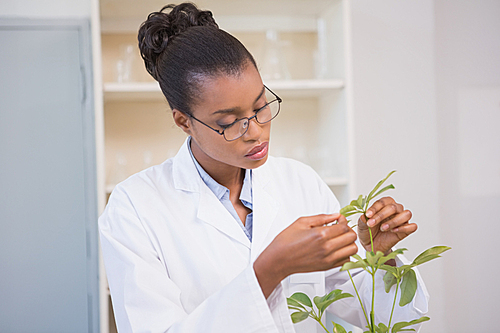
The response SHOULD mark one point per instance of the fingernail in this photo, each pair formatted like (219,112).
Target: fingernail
(369,213)
(371,223)
(384,227)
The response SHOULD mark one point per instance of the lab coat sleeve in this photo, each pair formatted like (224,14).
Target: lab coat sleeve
(145,299)
(349,309)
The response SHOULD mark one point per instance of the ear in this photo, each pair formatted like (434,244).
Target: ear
(182,120)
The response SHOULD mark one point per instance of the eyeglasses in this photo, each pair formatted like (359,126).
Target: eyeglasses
(238,128)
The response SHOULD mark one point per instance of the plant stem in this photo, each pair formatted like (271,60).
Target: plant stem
(319,321)
(394,303)
(372,314)
(370,231)
(359,298)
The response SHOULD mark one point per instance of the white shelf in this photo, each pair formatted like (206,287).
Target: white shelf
(114,91)
(132,91)
(336,181)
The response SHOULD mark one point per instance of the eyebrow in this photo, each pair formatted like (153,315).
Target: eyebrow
(230,110)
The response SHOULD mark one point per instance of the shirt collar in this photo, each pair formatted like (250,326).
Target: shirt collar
(219,190)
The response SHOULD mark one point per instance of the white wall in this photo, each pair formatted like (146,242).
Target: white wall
(468,105)
(395,120)
(45,8)
(426,84)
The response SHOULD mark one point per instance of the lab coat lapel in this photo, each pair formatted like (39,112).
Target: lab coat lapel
(265,209)
(210,209)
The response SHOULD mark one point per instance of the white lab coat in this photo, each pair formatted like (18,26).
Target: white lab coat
(177,260)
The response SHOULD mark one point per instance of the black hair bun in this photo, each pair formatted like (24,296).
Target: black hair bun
(162,27)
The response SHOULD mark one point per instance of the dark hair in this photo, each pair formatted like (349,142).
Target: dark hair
(185,46)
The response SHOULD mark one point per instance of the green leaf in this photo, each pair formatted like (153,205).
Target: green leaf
(350,213)
(332,294)
(294,308)
(372,258)
(370,196)
(323,302)
(419,320)
(357,202)
(389,281)
(408,287)
(360,201)
(391,269)
(398,327)
(388,187)
(347,209)
(302,299)
(360,263)
(390,256)
(338,328)
(405,269)
(353,265)
(430,254)
(291,302)
(381,328)
(358,258)
(297,317)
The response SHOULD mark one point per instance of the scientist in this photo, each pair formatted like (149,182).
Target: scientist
(214,239)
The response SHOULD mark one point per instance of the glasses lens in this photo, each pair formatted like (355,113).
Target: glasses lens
(236,130)
(269,112)
(264,115)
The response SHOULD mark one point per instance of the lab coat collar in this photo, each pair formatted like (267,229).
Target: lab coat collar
(211,210)
(184,171)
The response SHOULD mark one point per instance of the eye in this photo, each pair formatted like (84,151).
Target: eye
(226,125)
(262,108)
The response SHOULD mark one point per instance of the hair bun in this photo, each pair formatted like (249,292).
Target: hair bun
(161,27)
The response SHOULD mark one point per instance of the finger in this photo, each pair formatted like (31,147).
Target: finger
(320,220)
(327,233)
(406,229)
(378,205)
(341,256)
(342,220)
(341,241)
(384,213)
(396,221)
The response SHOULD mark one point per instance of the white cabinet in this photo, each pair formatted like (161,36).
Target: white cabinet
(314,121)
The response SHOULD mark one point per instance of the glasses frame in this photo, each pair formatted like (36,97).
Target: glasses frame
(221,132)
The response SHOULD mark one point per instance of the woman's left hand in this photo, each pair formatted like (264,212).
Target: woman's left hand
(389,222)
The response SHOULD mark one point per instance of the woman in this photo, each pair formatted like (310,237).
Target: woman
(214,239)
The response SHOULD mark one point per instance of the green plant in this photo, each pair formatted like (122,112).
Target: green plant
(403,277)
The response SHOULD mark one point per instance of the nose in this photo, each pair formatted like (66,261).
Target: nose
(254,131)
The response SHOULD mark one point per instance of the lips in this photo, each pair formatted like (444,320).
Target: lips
(258,152)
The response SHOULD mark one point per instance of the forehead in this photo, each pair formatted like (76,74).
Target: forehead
(228,91)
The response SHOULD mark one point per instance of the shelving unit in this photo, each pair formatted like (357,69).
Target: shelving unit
(313,125)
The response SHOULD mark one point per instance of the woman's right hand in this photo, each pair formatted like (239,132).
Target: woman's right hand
(307,245)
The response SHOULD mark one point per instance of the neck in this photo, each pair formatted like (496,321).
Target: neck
(228,176)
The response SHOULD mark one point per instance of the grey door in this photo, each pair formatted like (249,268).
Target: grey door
(48,239)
